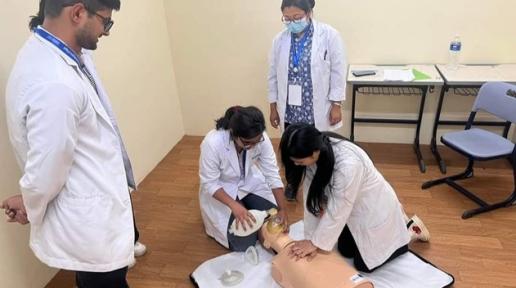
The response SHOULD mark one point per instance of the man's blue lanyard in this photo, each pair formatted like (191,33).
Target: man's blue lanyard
(299,48)
(65,49)
(59,44)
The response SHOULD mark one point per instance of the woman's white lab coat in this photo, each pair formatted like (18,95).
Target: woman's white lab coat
(219,168)
(328,67)
(362,199)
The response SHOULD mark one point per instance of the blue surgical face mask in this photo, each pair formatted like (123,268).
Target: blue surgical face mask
(298,26)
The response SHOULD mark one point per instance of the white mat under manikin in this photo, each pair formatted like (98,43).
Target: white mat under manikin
(406,271)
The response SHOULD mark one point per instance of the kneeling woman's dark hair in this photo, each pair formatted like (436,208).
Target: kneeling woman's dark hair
(301,141)
(245,122)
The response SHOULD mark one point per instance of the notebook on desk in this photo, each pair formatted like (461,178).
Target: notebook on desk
(404,75)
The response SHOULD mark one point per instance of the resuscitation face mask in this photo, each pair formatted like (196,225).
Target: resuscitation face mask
(297,26)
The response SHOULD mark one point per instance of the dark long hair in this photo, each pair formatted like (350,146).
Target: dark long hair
(245,122)
(305,5)
(301,141)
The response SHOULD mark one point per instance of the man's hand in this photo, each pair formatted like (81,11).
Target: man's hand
(15,210)
(17,216)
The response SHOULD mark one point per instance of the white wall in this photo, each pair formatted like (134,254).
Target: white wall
(136,64)
(137,69)
(221,50)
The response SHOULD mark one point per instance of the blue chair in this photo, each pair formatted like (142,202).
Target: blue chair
(477,144)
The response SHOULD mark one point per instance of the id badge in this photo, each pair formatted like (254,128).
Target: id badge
(294,95)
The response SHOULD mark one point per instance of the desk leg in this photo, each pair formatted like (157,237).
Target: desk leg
(417,149)
(353,99)
(433,142)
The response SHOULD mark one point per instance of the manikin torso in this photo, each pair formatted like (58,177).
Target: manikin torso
(326,270)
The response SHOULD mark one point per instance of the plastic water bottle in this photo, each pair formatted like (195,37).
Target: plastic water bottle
(455,47)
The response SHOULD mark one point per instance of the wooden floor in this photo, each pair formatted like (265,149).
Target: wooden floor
(479,252)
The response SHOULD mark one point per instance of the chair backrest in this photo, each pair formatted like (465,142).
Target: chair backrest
(497,98)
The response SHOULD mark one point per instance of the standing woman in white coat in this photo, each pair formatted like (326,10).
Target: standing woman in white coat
(306,73)
(238,172)
(348,203)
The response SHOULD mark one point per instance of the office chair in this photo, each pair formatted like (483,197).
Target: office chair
(477,144)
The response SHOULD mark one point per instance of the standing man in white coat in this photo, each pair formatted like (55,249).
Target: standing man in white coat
(238,171)
(348,203)
(139,248)
(307,72)
(76,171)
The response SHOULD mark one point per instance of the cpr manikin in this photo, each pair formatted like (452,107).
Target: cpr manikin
(326,270)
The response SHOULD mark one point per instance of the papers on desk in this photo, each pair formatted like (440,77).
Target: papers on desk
(398,75)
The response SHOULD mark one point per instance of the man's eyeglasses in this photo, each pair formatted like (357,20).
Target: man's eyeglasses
(108,23)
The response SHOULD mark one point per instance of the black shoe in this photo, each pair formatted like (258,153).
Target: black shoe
(290,193)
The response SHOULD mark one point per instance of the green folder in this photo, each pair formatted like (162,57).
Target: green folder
(418,75)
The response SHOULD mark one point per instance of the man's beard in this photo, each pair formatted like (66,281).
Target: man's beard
(86,40)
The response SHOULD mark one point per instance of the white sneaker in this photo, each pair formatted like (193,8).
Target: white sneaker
(139,249)
(418,230)
(131,265)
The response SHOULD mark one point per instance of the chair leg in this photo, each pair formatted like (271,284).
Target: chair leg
(468,194)
(468,173)
(489,207)
(506,203)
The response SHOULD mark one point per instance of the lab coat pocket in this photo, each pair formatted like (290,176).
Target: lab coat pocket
(88,211)
(88,219)
(324,58)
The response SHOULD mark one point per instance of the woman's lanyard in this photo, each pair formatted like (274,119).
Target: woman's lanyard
(299,48)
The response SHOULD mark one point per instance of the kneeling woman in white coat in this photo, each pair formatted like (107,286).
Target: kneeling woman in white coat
(238,171)
(348,203)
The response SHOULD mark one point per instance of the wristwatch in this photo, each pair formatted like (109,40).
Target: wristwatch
(336,103)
